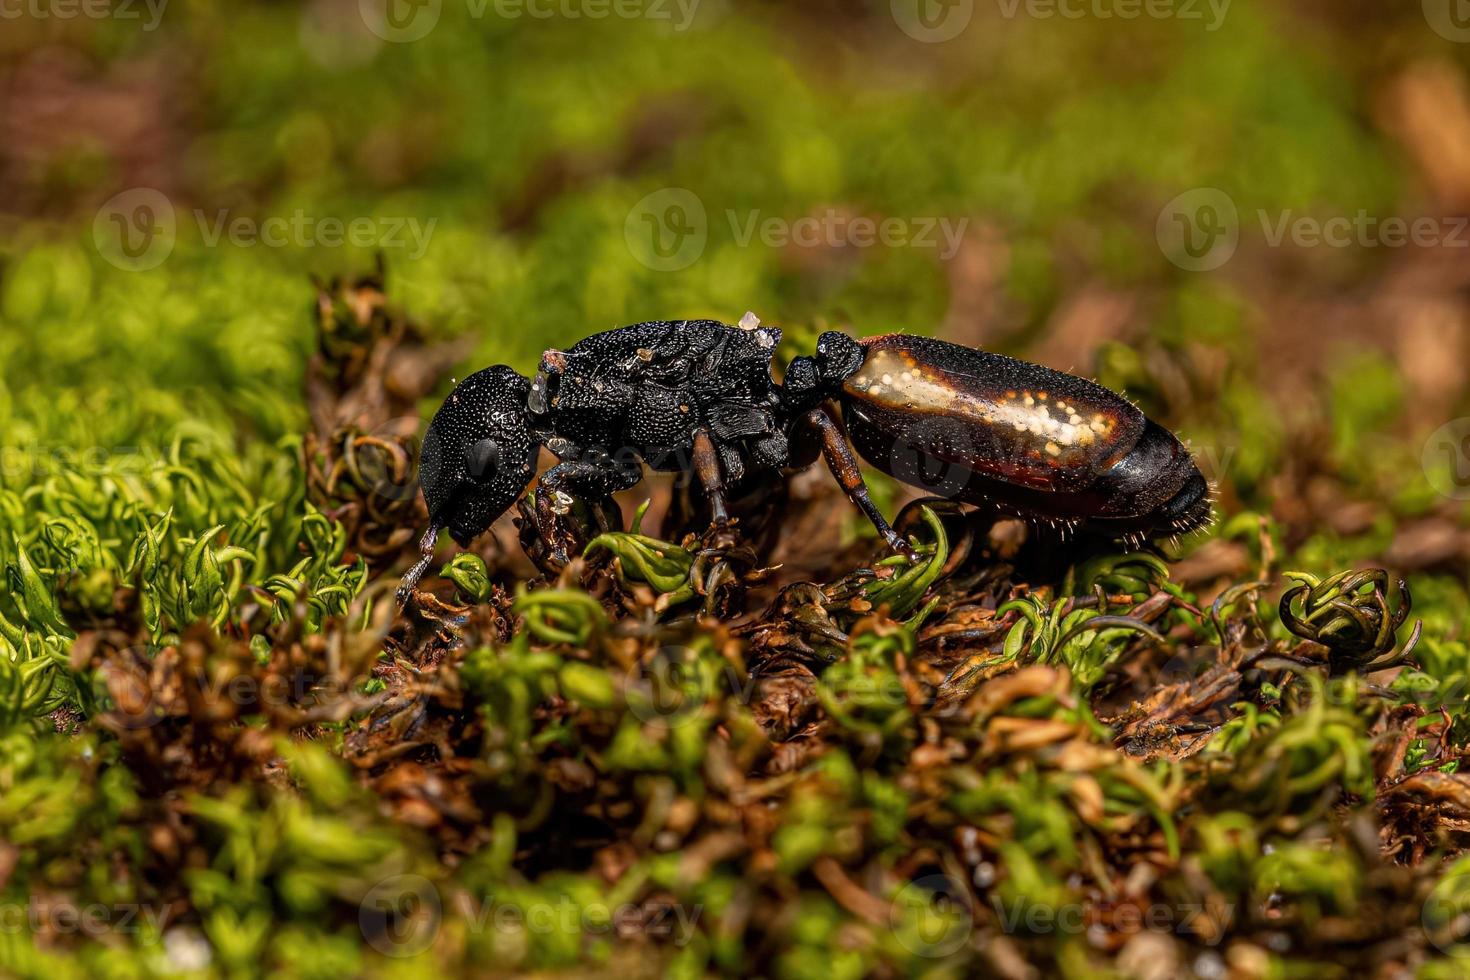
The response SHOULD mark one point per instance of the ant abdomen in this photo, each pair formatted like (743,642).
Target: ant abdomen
(981,427)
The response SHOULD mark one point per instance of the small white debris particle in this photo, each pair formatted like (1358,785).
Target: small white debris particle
(186,950)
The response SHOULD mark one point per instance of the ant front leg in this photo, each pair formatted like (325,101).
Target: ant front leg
(844,466)
(594,475)
(721,565)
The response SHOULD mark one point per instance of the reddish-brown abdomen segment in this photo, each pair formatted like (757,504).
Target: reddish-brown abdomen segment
(977,426)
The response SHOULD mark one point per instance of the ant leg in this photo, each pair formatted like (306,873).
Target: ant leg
(707,470)
(721,564)
(593,475)
(410,579)
(844,466)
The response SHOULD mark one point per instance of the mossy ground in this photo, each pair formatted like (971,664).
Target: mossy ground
(224,753)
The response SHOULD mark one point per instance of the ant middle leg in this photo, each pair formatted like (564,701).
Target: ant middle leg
(844,466)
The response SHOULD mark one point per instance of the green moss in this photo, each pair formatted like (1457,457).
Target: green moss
(153,477)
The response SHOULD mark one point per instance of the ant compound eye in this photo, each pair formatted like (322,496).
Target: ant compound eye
(483,460)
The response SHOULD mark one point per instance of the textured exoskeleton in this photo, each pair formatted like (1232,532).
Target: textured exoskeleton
(698,396)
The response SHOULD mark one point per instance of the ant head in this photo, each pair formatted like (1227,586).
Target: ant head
(479,454)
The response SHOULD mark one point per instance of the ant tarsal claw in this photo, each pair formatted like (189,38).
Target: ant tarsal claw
(722,534)
(901,545)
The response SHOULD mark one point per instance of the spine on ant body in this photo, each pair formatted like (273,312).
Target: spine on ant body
(984,428)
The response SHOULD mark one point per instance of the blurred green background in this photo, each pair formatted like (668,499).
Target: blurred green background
(1100,192)
(514,163)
